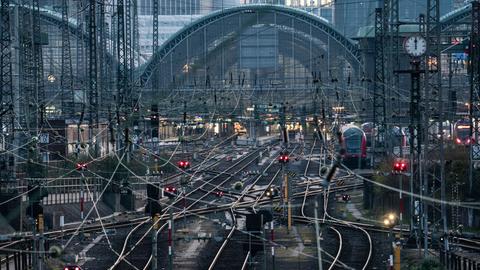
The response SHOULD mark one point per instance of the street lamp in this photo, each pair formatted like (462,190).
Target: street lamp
(51,78)
(272,193)
(391,217)
(389,221)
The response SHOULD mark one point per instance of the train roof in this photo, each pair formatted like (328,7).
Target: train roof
(463,121)
(350,127)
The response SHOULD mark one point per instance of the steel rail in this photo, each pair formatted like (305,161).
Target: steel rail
(225,242)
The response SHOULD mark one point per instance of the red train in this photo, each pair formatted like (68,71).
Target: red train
(354,142)
(461,132)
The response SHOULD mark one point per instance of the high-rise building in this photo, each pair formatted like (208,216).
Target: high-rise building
(351,15)
(184,7)
(321,8)
(276,2)
(170,7)
(411,9)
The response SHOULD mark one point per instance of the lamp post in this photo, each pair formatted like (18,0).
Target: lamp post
(271,193)
(389,221)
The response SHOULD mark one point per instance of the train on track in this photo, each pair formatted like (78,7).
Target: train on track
(397,135)
(461,132)
(354,141)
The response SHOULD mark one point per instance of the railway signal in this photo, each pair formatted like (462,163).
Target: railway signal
(35,196)
(153,207)
(154,120)
(346,197)
(219,193)
(271,192)
(72,268)
(283,158)
(81,166)
(170,191)
(183,164)
(400,166)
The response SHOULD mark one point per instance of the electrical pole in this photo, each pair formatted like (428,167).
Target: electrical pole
(156,226)
(379,111)
(66,77)
(102,83)
(395,52)
(92,75)
(80,56)
(155,80)
(38,62)
(128,50)
(272,238)
(122,83)
(387,50)
(264,266)
(317,234)
(170,241)
(7,101)
(434,118)
(474,111)
(415,129)
(41,244)
(136,35)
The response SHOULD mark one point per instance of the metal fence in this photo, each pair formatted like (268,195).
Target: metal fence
(69,190)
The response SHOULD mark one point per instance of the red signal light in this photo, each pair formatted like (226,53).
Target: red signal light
(183,164)
(81,166)
(170,189)
(400,166)
(283,158)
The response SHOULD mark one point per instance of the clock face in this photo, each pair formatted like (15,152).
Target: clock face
(415,46)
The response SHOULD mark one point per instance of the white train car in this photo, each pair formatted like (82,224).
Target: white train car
(267,140)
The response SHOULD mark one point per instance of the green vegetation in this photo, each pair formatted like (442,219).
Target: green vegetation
(427,264)
(456,173)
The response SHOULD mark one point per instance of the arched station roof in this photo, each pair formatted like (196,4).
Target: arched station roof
(349,46)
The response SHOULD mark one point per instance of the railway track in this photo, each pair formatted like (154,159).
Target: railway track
(133,240)
(347,246)
(342,258)
(203,190)
(124,255)
(227,251)
(135,237)
(314,166)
